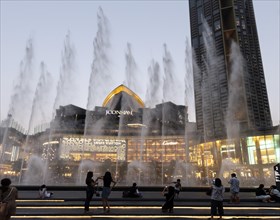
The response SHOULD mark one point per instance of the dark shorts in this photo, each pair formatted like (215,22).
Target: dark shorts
(217,205)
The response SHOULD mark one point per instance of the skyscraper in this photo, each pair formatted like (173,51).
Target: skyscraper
(229,82)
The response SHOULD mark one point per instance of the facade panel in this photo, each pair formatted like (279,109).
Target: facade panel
(227,21)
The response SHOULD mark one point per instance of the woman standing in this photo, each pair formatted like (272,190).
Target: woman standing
(169,193)
(89,190)
(217,197)
(107,180)
(8,195)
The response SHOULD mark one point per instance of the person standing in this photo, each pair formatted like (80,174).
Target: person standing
(107,180)
(89,190)
(8,194)
(234,188)
(217,197)
(178,187)
(169,193)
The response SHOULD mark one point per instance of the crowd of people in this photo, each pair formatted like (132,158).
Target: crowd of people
(217,191)
(9,194)
(270,195)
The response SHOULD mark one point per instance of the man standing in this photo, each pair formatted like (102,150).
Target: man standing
(234,188)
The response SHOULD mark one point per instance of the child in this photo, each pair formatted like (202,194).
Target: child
(43,193)
(178,187)
(133,192)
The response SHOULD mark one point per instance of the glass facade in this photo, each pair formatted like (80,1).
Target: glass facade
(251,157)
(226,23)
(207,160)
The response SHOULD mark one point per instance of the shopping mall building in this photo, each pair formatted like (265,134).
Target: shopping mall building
(152,146)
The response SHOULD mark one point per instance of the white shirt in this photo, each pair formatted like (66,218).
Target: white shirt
(275,192)
(234,185)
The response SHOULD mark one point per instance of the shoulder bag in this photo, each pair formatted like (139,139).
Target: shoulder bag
(3,205)
(209,191)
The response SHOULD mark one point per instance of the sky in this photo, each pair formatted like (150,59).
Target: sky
(146,25)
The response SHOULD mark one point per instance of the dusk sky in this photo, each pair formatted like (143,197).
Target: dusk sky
(146,25)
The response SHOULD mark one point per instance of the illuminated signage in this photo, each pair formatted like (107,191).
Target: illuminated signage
(119,112)
(73,144)
(277,173)
(169,142)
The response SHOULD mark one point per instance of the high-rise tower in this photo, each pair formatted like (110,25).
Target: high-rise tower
(229,82)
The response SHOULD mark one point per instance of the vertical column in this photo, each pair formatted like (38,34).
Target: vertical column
(238,153)
(245,158)
(259,159)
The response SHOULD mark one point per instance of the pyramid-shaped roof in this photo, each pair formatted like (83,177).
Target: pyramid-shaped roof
(123,98)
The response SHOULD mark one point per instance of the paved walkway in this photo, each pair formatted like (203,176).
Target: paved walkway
(190,205)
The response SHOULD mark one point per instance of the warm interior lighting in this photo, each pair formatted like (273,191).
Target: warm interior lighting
(165,215)
(169,142)
(136,125)
(50,142)
(39,200)
(140,207)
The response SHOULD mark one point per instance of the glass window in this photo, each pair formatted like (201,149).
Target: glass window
(237,22)
(223,89)
(252,155)
(199,15)
(195,42)
(227,151)
(214,94)
(201,41)
(200,29)
(277,147)
(216,11)
(268,154)
(217,25)
(192,4)
(250,141)
(218,33)
(243,25)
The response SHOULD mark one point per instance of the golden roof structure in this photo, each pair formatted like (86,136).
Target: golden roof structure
(122,97)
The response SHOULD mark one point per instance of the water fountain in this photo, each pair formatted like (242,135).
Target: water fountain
(36,170)
(156,145)
(38,113)
(85,166)
(153,93)
(137,172)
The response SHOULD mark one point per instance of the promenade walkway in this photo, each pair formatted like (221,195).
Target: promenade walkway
(190,205)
